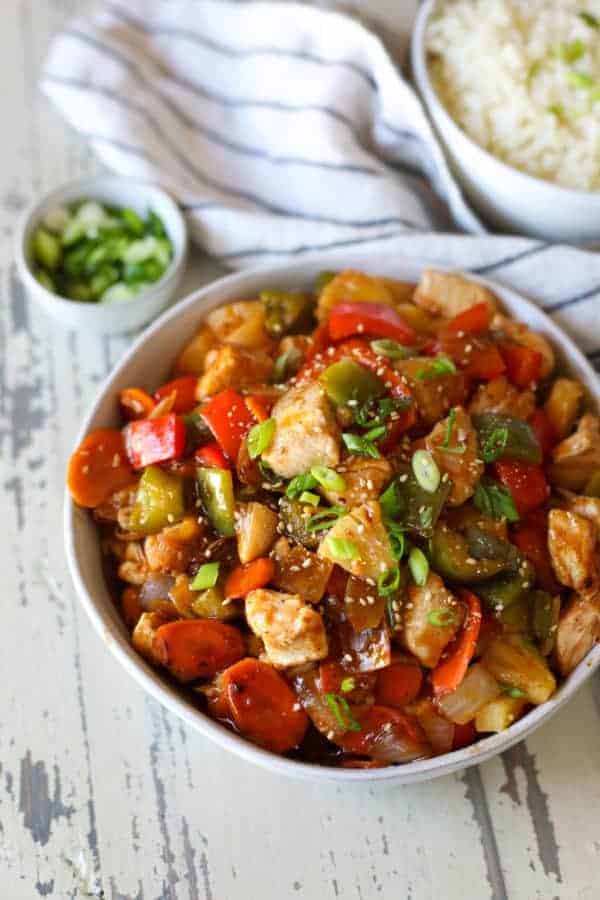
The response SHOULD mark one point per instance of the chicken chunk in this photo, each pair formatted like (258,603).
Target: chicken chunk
(365,480)
(449,294)
(424,638)
(255,530)
(577,456)
(571,542)
(233,367)
(299,571)
(172,549)
(306,432)
(292,631)
(578,629)
(463,467)
(241,324)
(521,334)
(588,507)
(433,397)
(359,543)
(145,632)
(499,396)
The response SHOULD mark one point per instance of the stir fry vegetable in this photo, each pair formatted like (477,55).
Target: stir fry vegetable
(361,544)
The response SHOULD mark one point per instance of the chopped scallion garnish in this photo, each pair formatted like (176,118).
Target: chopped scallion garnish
(442,618)
(348,684)
(299,484)
(495,444)
(419,566)
(206,577)
(342,549)
(426,470)
(322,521)
(260,437)
(341,710)
(328,478)
(441,365)
(310,498)
(388,582)
(390,349)
(361,446)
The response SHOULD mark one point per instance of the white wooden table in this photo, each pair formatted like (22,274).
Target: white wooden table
(104,794)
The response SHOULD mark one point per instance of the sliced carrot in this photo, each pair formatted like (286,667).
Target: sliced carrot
(249,577)
(135,403)
(398,684)
(263,706)
(98,467)
(197,648)
(185,393)
(449,673)
(387,735)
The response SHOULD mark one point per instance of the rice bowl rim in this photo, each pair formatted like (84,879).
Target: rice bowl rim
(432,99)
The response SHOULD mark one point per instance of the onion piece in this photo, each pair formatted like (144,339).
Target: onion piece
(477,688)
(155,588)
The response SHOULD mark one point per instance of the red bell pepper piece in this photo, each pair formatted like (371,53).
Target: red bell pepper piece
(474,320)
(151,441)
(531,537)
(374,319)
(544,431)
(526,482)
(185,393)
(257,407)
(464,735)
(211,456)
(449,673)
(484,363)
(523,365)
(230,420)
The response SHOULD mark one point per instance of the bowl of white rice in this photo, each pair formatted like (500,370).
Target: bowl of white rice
(513,89)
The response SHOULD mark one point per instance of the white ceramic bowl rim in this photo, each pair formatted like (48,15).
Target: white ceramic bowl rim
(115,638)
(90,189)
(421,71)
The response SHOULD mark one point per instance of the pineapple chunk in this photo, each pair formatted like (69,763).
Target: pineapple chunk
(359,543)
(513,661)
(499,714)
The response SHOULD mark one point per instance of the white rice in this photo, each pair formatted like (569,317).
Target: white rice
(506,72)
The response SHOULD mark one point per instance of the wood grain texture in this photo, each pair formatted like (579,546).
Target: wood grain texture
(103,793)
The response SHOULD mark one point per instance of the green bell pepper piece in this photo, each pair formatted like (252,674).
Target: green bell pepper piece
(544,615)
(449,556)
(345,381)
(404,501)
(507,588)
(485,544)
(287,312)
(216,491)
(159,501)
(504,437)
(210,604)
(516,618)
(295,518)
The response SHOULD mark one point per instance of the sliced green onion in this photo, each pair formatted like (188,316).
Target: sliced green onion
(388,582)
(322,521)
(494,444)
(441,365)
(286,365)
(419,566)
(396,536)
(581,80)
(572,51)
(310,498)
(391,506)
(260,437)
(590,20)
(299,484)
(426,471)
(343,549)
(426,517)
(390,349)
(514,692)
(348,684)
(328,478)
(558,110)
(375,433)
(442,618)
(496,501)
(377,412)
(341,710)
(361,446)
(460,448)
(206,577)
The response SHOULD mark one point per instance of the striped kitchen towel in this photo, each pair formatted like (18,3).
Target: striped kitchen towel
(280,128)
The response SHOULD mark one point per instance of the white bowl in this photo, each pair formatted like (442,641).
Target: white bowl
(147,363)
(109,318)
(506,197)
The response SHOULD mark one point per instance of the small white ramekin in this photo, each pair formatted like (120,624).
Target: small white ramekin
(110,318)
(507,198)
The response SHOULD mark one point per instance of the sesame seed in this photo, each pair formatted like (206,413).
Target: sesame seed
(307,563)
(347,657)
(470,561)
(85,470)
(330,735)
(296,707)
(170,517)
